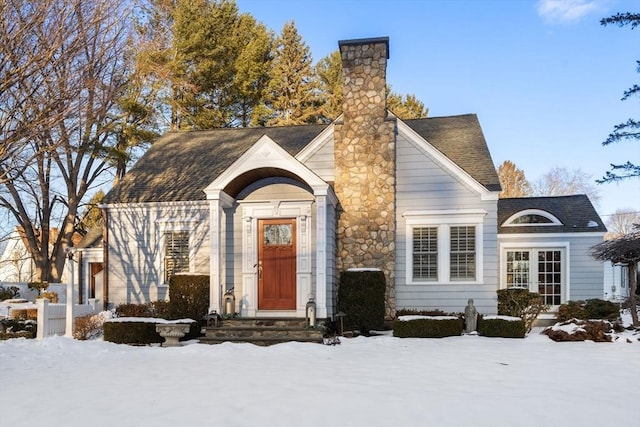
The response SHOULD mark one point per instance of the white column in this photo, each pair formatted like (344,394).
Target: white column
(215,261)
(321,256)
(43,317)
(68,331)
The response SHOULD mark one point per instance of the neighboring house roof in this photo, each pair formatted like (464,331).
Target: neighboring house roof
(92,239)
(576,213)
(181,164)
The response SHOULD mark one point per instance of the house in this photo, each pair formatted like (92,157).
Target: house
(16,262)
(273,215)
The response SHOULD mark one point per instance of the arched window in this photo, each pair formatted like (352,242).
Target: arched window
(531,217)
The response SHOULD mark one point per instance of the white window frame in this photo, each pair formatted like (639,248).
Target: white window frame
(165,227)
(534,247)
(444,220)
(538,212)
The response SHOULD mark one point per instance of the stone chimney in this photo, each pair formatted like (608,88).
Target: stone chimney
(365,163)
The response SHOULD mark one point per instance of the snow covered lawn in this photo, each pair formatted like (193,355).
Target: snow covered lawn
(377,381)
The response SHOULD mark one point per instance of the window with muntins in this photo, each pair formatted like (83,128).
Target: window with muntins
(425,253)
(462,259)
(176,253)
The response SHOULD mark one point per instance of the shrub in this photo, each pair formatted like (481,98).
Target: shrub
(131,333)
(428,328)
(133,310)
(590,309)
(88,327)
(17,328)
(521,303)
(52,296)
(601,309)
(188,297)
(9,292)
(24,313)
(361,298)
(502,328)
(38,286)
(414,312)
(592,330)
(160,309)
(571,310)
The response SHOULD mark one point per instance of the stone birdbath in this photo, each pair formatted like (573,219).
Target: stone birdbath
(172,332)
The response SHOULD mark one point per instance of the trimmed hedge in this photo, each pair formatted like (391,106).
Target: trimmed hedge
(501,328)
(427,328)
(188,297)
(140,333)
(361,298)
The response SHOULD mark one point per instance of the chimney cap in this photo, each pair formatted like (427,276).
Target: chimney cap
(371,40)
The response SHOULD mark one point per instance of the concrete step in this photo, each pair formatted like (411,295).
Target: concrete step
(262,331)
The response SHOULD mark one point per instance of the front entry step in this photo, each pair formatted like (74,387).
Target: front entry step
(262,331)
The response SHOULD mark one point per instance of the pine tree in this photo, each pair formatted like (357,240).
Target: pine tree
(629,130)
(329,75)
(405,106)
(292,91)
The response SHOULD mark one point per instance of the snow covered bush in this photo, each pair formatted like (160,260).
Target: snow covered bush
(9,292)
(583,330)
(521,303)
(590,309)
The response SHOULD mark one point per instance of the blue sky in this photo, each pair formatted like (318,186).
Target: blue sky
(544,77)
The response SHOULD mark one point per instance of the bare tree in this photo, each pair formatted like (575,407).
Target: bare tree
(560,181)
(78,76)
(621,222)
(513,181)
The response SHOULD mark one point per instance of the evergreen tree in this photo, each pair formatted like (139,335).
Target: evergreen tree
(629,130)
(292,91)
(405,106)
(329,75)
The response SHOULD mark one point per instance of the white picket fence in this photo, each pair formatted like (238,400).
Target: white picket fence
(52,318)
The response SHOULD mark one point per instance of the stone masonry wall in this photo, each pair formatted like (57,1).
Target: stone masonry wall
(365,164)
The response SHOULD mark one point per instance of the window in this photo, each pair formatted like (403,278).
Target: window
(176,253)
(444,246)
(462,260)
(425,253)
(538,269)
(531,217)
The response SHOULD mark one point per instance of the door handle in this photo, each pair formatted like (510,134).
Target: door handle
(260,270)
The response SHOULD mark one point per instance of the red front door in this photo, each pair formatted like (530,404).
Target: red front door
(277,264)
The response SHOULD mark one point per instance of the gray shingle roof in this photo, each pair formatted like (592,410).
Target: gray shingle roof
(460,138)
(181,164)
(576,213)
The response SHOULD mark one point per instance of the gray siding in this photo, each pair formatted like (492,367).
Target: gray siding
(135,255)
(585,278)
(422,184)
(322,162)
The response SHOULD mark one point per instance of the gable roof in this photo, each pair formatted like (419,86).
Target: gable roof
(460,138)
(180,165)
(576,213)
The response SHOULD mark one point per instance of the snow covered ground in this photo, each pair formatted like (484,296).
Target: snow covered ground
(376,381)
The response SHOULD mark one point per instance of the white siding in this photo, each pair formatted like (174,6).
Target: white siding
(134,239)
(423,184)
